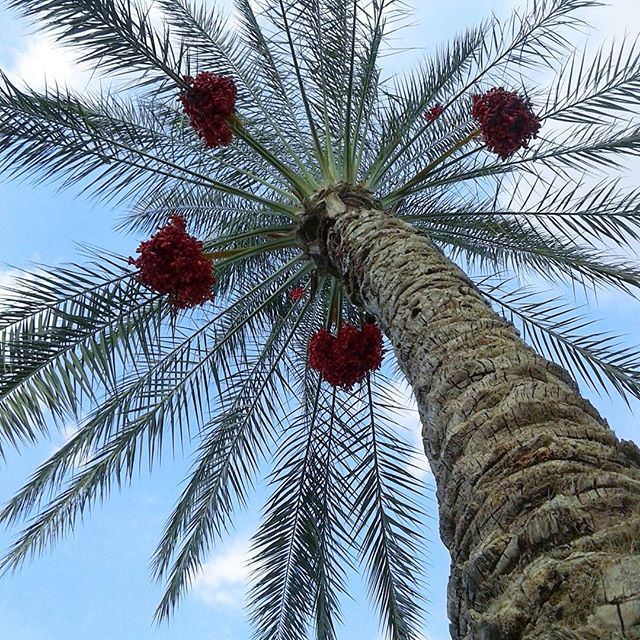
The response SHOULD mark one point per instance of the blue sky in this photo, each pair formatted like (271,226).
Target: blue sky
(96,584)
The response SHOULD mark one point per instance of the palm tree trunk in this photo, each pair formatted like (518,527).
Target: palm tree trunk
(539,501)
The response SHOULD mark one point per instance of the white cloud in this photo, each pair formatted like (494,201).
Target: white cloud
(222,581)
(67,432)
(41,62)
(12,278)
(429,636)
(7,278)
(408,419)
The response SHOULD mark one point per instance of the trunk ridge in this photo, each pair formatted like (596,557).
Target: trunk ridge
(539,501)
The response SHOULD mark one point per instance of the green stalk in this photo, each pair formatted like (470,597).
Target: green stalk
(348,146)
(395,195)
(267,231)
(322,159)
(359,148)
(287,243)
(302,187)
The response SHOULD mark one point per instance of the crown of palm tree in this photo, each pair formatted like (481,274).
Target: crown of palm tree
(313,111)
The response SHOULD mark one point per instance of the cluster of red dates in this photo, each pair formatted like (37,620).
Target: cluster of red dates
(347,358)
(173,262)
(505,119)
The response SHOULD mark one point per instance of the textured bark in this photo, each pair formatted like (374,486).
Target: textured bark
(539,501)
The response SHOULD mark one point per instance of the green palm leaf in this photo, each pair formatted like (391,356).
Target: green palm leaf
(231,382)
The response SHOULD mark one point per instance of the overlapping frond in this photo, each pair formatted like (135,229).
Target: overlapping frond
(168,386)
(63,336)
(230,382)
(495,52)
(387,517)
(504,243)
(290,572)
(119,148)
(556,329)
(579,213)
(577,150)
(234,443)
(596,89)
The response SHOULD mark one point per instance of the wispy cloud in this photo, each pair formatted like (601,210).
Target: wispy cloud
(67,433)
(222,581)
(408,420)
(41,62)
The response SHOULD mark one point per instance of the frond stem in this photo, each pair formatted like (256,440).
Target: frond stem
(394,196)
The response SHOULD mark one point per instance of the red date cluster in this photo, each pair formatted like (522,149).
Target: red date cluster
(435,112)
(345,359)
(507,121)
(209,102)
(173,262)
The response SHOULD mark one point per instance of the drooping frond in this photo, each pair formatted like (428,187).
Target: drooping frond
(293,572)
(170,379)
(387,518)
(63,335)
(235,442)
(231,382)
(118,36)
(556,329)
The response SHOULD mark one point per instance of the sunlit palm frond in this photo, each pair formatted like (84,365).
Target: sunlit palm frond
(480,57)
(288,577)
(117,148)
(556,329)
(504,243)
(230,383)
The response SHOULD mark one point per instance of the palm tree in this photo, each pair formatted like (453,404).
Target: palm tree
(332,202)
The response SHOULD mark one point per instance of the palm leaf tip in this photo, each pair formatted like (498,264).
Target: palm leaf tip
(304,106)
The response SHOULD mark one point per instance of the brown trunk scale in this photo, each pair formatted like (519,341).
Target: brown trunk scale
(539,501)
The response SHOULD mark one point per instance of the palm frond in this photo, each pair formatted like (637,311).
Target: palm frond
(235,441)
(560,332)
(118,36)
(594,90)
(122,155)
(276,73)
(169,380)
(582,149)
(388,517)
(63,336)
(505,243)
(230,382)
(490,53)
(576,212)
(295,578)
